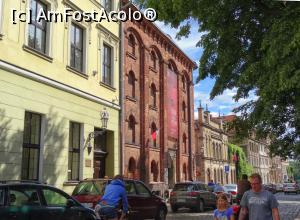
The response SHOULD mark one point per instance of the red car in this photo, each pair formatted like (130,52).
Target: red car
(143,204)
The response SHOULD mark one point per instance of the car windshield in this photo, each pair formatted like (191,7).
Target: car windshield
(230,187)
(89,188)
(183,187)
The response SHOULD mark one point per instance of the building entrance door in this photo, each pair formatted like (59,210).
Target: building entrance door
(99,165)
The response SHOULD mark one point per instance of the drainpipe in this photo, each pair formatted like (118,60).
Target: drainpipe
(121,94)
(190,123)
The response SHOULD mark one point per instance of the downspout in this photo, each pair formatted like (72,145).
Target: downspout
(121,93)
(190,123)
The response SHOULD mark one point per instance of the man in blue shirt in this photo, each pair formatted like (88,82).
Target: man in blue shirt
(114,193)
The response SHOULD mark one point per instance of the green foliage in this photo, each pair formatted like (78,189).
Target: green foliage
(294,170)
(243,166)
(254,47)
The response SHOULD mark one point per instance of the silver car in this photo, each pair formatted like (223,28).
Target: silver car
(290,188)
(232,188)
(193,195)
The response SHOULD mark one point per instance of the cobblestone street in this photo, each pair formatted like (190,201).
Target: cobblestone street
(289,207)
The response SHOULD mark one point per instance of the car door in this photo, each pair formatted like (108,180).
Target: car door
(133,206)
(24,202)
(148,202)
(211,196)
(57,209)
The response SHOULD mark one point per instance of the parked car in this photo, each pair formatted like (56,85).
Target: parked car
(34,201)
(290,188)
(143,204)
(194,195)
(232,188)
(218,189)
(270,187)
(279,187)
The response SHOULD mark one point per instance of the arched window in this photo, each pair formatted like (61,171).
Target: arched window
(184,110)
(184,143)
(154,171)
(153,95)
(131,44)
(131,167)
(184,170)
(131,84)
(183,83)
(131,128)
(154,136)
(215,176)
(153,59)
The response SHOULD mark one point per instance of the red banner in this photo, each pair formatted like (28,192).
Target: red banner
(172,104)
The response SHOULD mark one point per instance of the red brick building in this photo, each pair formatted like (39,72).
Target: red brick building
(158,101)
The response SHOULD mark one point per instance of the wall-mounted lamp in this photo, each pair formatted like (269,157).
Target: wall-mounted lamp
(104,116)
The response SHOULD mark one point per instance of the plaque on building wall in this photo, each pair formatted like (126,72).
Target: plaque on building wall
(172,103)
(88,163)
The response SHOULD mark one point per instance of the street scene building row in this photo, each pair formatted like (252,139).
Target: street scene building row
(89,100)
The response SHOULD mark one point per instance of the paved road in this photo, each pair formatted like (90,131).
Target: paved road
(289,207)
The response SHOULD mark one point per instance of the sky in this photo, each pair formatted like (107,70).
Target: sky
(222,103)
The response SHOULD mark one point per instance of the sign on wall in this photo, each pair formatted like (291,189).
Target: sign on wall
(172,103)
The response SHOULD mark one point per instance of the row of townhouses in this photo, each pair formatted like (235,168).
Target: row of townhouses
(93,99)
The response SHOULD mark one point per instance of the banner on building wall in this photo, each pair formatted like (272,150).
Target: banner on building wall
(172,104)
(226,168)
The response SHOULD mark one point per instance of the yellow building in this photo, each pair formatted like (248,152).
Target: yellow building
(56,78)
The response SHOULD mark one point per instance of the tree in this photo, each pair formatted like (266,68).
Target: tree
(253,47)
(243,167)
(294,170)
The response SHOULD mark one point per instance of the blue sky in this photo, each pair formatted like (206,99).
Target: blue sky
(222,103)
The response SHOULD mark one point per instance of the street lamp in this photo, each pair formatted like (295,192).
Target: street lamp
(104,116)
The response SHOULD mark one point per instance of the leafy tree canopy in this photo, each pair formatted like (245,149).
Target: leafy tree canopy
(243,166)
(253,46)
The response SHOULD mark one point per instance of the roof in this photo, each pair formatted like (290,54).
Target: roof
(229,118)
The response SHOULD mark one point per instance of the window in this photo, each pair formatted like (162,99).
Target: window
(31,146)
(74,151)
(153,95)
(107,5)
(131,44)
(37,29)
(23,196)
(76,58)
(54,198)
(154,134)
(184,143)
(106,65)
(153,60)
(131,167)
(130,189)
(1,197)
(184,111)
(131,128)
(142,190)
(131,84)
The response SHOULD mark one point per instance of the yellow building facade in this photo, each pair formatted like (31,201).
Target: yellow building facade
(56,78)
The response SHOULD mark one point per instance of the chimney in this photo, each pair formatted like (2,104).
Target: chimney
(207,114)
(200,114)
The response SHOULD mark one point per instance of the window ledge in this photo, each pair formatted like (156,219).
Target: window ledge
(37,53)
(132,145)
(155,148)
(131,98)
(131,55)
(71,183)
(154,108)
(77,72)
(154,70)
(108,86)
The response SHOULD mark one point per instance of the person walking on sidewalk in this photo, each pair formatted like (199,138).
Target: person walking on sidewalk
(242,186)
(223,211)
(259,203)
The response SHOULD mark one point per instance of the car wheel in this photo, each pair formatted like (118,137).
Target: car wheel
(174,208)
(200,207)
(161,214)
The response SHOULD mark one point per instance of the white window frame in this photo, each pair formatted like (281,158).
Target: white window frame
(51,6)
(1,17)
(85,37)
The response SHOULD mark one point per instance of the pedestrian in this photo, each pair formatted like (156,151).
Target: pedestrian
(223,211)
(242,186)
(114,193)
(260,204)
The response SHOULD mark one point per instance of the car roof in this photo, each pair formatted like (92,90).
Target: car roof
(190,182)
